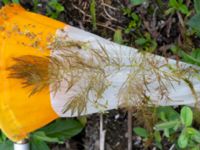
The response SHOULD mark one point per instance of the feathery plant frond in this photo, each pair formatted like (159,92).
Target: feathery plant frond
(79,64)
(149,71)
(33,70)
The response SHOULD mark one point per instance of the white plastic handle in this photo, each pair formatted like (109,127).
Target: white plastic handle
(22,145)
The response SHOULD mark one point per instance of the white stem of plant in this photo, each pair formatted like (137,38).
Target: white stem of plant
(102,134)
(172,147)
(22,145)
(130,129)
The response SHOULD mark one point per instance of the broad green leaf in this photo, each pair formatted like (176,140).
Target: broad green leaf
(183,140)
(6,145)
(173,3)
(63,129)
(197,6)
(183,9)
(118,37)
(194,23)
(38,145)
(137,2)
(186,116)
(194,134)
(167,113)
(166,125)
(141,132)
(40,135)
(191,131)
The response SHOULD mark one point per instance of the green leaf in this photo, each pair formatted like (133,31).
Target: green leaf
(196,54)
(194,23)
(173,3)
(6,145)
(197,6)
(38,145)
(157,136)
(189,58)
(183,9)
(195,147)
(118,37)
(166,133)
(167,113)
(35,5)
(166,125)
(54,8)
(191,131)
(170,11)
(56,5)
(137,2)
(194,134)
(183,140)
(40,135)
(159,145)
(6,2)
(2,137)
(140,41)
(141,132)
(63,129)
(15,1)
(192,58)
(82,120)
(93,13)
(186,116)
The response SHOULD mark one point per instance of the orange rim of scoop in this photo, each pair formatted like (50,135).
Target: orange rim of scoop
(23,33)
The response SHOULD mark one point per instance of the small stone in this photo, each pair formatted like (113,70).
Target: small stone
(117,117)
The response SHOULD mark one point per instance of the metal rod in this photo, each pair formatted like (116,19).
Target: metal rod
(102,134)
(22,145)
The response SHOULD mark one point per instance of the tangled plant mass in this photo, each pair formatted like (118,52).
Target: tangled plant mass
(93,73)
